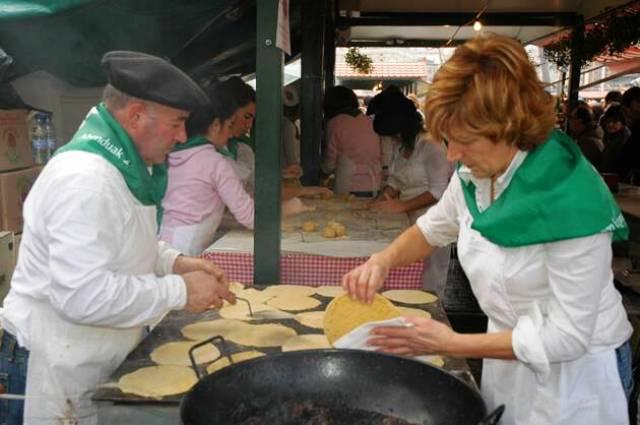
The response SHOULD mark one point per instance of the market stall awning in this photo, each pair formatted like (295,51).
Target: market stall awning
(432,24)
(67,38)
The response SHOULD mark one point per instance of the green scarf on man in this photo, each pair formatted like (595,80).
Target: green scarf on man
(101,134)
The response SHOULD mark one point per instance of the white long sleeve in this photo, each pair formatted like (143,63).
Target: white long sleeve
(581,296)
(92,250)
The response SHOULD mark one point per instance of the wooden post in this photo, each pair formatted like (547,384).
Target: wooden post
(313,22)
(577,40)
(269,61)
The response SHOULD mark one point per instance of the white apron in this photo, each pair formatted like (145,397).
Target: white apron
(192,239)
(436,266)
(76,360)
(584,391)
(80,357)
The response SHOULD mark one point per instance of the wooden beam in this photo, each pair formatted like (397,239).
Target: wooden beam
(524,19)
(577,41)
(311,94)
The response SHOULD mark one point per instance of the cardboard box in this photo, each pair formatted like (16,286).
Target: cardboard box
(6,262)
(14,187)
(15,146)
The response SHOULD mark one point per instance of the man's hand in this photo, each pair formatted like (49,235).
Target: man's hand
(185,264)
(205,290)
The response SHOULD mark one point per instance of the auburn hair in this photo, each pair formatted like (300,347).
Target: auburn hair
(489,88)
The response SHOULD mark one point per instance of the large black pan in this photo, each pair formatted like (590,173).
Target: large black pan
(364,381)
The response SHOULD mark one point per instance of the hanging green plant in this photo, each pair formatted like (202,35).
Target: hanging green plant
(359,62)
(611,35)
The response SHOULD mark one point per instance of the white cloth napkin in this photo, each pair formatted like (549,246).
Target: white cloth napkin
(357,338)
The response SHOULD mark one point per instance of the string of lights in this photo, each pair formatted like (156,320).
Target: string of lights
(477,24)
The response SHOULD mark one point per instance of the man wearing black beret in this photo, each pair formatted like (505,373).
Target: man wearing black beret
(91,274)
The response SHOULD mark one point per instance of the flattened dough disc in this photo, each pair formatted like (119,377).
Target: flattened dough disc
(330,291)
(282,290)
(237,358)
(312,319)
(240,311)
(293,303)
(269,335)
(203,330)
(236,286)
(177,353)
(344,314)
(409,296)
(408,311)
(254,296)
(158,381)
(306,342)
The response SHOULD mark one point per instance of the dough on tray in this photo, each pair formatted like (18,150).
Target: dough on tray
(309,226)
(237,358)
(158,381)
(330,291)
(312,319)
(177,353)
(269,335)
(410,296)
(283,290)
(306,342)
(200,331)
(408,311)
(293,303)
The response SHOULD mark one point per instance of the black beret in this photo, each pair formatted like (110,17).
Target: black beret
(151,78)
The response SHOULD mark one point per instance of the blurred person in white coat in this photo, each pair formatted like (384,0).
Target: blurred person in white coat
(418,175)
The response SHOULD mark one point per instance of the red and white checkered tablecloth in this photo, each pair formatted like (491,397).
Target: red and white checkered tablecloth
(312,270)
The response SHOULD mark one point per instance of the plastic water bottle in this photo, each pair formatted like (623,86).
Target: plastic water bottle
(39,140)
(50,136)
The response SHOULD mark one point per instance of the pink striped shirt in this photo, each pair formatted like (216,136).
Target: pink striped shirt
(201,181)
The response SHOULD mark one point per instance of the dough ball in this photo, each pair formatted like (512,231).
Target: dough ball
(340,230)
(328,232)
(309,226)
(288,228)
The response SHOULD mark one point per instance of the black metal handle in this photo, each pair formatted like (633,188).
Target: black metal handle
(248,305)
(494,417)
(223,352)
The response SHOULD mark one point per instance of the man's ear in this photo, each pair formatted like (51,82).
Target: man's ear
(133,113)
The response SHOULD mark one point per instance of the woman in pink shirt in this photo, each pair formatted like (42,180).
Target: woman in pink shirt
(353,148)
(203,181)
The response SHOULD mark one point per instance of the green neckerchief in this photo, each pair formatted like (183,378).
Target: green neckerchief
(555,194)
(193,142)
(102,135)
(231,150)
